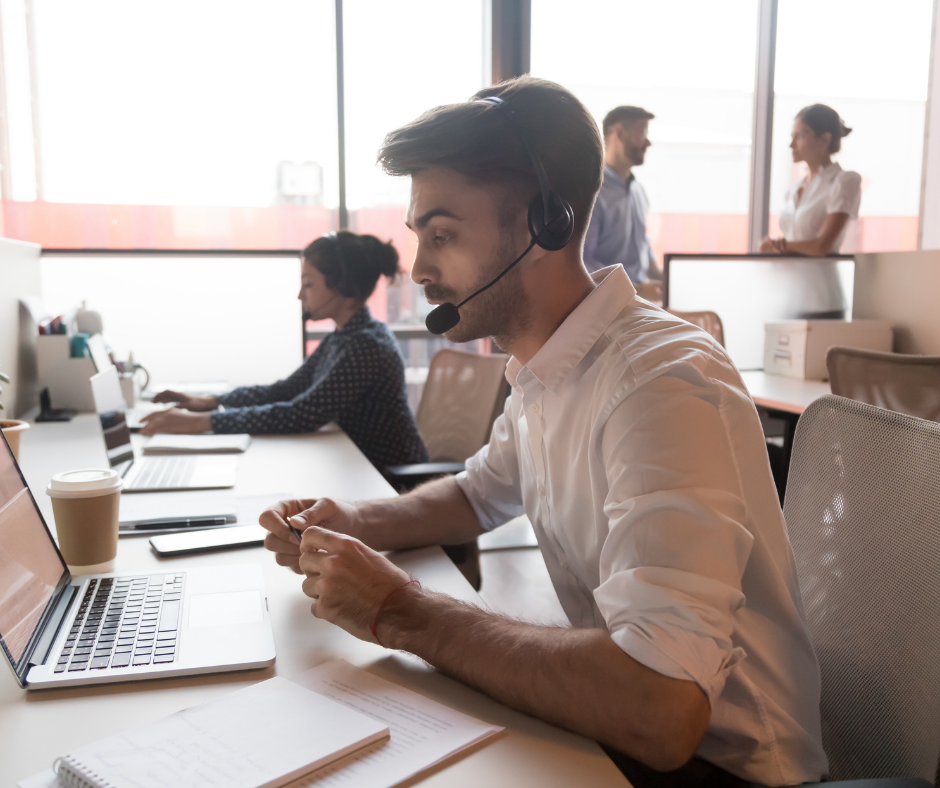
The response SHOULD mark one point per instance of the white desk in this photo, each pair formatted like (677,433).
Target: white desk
(777,392)
(35,727)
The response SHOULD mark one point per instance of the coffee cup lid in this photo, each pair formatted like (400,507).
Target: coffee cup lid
(83,483)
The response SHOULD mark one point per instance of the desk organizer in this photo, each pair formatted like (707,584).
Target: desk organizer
(67,378)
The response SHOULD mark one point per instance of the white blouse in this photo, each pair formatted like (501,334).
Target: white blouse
(833,190)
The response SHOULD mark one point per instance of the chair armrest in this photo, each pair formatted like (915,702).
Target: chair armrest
(406,477)
(426,469)
(884,782)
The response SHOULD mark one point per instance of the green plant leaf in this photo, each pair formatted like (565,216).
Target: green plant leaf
(4,378)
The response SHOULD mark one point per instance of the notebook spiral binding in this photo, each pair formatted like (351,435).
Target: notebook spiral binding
(75,775)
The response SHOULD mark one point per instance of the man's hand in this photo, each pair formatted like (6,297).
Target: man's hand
(349,581)
(335,515)
(187,401)
(174,420)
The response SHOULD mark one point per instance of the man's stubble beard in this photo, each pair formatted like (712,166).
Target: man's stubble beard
(502,312)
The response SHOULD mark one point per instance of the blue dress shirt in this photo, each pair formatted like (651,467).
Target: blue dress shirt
(617,233)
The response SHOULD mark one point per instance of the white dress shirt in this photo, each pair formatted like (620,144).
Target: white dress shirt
(833,190)
(632,445)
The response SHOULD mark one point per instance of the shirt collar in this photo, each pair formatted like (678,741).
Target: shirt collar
(829,172)
(623,183)
(358,321)
(579,332)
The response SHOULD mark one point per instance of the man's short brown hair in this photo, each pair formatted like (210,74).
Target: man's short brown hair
(625,115)
(480,142)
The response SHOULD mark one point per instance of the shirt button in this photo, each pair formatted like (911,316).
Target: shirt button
(535,409)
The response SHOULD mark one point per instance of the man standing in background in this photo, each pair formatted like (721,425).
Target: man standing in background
(617,234)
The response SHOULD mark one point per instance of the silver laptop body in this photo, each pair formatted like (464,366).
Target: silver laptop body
(60,631)
(151,474)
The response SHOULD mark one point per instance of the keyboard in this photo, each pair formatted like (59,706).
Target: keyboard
(164,473)
(123,622)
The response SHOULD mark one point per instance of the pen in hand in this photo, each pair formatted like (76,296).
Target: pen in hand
(294,531)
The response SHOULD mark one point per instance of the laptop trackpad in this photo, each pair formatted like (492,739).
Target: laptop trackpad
(236,607)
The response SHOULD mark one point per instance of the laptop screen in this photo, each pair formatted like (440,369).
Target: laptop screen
(30,565)
(109,402)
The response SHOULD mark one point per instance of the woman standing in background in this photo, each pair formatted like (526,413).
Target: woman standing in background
(817,210)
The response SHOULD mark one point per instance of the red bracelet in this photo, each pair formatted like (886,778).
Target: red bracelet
(375,623)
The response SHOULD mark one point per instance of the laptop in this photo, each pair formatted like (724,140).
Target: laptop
(102,361)
(60,631)
(149,474)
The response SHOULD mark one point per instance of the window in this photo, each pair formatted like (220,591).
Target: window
(402,59)
(696,76)
(872,68)
(181,124)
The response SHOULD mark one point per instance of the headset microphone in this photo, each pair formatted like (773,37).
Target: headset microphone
(551,223)
(444,317)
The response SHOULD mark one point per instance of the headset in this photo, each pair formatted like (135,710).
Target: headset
(551,223)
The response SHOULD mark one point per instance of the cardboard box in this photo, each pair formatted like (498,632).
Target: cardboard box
(797,348)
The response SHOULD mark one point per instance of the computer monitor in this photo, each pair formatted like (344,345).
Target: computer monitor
(748,290)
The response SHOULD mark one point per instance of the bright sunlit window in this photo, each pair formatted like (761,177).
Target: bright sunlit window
(692,65)
(872,68)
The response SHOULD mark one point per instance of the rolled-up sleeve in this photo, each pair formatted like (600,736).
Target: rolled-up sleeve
(678,539)
(491,480)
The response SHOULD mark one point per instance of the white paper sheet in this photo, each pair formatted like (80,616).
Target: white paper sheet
(197,444)
(423,732)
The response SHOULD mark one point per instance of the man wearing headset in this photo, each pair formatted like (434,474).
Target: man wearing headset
(630,442)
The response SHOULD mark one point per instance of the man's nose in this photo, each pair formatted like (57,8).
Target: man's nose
(423,272)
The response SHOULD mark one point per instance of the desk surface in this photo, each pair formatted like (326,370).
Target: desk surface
(36,727)
(781,393)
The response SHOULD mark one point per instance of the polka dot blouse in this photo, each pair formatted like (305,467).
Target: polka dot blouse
(356,378)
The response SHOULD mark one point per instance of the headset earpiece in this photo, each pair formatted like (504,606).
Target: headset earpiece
(556,234)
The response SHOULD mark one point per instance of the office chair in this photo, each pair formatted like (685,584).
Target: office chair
(709,322)
(895,381)
(863,515)
(462,397)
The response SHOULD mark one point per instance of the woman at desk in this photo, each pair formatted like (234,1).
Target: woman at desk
(817,210)
(355,377)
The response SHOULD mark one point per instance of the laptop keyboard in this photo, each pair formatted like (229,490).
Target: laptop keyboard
(123,622)
(164,473)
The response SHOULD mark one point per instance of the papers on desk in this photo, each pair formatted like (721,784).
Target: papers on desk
(337,721)
(197,444)
(423,733)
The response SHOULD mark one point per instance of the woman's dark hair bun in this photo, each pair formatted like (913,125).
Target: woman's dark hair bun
(821,119)
(351,263)
(383,255)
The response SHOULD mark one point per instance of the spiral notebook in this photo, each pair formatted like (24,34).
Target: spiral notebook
(263,736)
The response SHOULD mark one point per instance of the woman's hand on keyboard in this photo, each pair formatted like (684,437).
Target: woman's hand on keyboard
(176,421)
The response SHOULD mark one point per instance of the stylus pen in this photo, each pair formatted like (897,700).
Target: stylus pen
(195,522)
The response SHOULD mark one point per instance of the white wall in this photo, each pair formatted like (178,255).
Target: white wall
(19,277)
(193,318)
(902,287)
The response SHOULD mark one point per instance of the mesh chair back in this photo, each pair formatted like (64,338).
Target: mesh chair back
(463,396)
(863,514)
(907,384)
(709,322)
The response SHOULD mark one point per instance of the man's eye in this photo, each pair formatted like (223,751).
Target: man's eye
(441,239)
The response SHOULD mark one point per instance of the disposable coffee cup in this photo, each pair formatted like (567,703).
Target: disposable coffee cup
(86,505)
